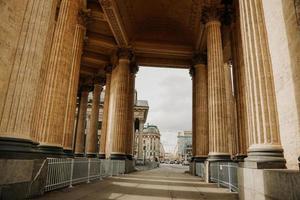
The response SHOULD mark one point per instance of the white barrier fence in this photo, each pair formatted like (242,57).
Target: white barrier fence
(63,172)
(224,174)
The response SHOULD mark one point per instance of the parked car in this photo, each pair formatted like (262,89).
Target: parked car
(185,163)
(172,162)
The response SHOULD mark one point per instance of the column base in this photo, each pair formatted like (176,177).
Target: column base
(51,151)
(69,153)
(239,158)
(101,156)
(265,159)
(197,159)
(16,148)
(80,155)
(219,158)
(91,155)
(129,157)
(118,157)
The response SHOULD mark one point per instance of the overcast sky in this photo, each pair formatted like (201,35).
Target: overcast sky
(169,95)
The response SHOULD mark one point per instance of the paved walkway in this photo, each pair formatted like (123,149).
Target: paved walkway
(166,182)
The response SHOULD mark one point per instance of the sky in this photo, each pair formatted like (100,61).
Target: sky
(169,95)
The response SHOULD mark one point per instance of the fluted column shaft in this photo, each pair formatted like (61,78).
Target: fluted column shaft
(104,132)
(218,135)
(24,51)
(73,88)
(130,132)
(92,136)
(264,138)
(118,107)
(230,114)
(56,82)
(239,86)
(194,146)
(201,115)
(80,131)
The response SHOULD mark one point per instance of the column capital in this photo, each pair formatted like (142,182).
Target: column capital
(199,58)
(83,16)
(221,12)
(134,68)
(99,80)
(125,53)
(108,68)
(85,89)
(192,71)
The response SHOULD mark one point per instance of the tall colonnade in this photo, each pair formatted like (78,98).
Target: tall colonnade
(234,105)
(43,101)
(241,111)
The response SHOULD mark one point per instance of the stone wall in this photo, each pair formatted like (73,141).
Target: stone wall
(284,40)
(259,184)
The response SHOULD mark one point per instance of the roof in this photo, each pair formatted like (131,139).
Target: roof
(142,103)
(151,129)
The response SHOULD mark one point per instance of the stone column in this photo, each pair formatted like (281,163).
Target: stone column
(140,141)
(239,86)
(80,131)
(56,82)
(104,132)
(230,114)
(118,105)
(130,124)
(265,150)
(192,73)
(71,99)
(92,136)
(200,108)
(218,135)
(25,40)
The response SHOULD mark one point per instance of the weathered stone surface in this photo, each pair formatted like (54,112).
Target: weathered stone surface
(25,41)
(263,123)
(263,184)
(218,135)
(92,135)
(79,141)
(284,41)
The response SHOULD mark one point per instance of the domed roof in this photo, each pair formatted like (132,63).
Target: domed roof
(151,129)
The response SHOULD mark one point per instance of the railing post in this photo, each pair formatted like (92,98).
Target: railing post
(229,177)
(71,173)
(218,165)
(88,175)
(111,167)
(100,173)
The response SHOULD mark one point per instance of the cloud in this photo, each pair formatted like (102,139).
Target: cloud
(169,94)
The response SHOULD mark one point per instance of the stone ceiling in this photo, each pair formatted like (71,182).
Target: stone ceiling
(162,33)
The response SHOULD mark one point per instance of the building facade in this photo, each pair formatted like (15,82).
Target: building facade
(184,145)
(151,144)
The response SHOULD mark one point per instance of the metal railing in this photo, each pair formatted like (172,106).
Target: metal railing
(224,174)
(64,172)
(200,169)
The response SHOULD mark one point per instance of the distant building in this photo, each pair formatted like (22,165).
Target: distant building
(150,142)
(162,152)
(184,145)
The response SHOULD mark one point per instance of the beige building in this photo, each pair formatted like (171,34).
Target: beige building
(244,61)
(151,144)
